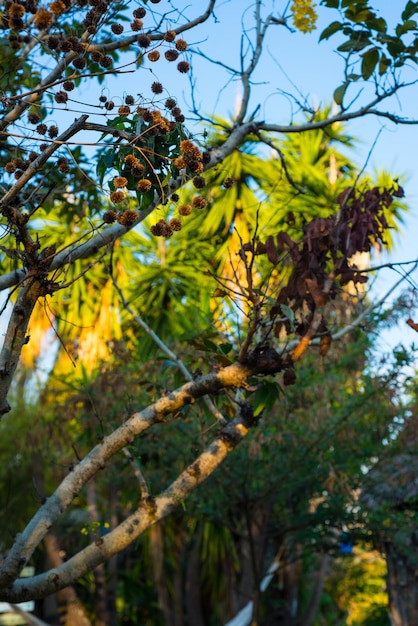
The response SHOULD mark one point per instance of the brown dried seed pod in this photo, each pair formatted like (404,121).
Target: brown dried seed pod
(103,99)
(175,224)
(139,13)
(96,56)
(57,7)
(64,168)
(144,41)
(143,185)
(68,85)
(170,103)
(153,56)
(43,19)
(120,181)
(199,182)
(53,42)
(180,119)
(170,36)
(199,203)
(136,25)
(157,88)
(129,100)
(131,160)
(180,163)
(33,156)
(34,118)
(195,166)
(117,29)
(80,63)
(171,55)
(117,196)
(185,209)
(61,97)
(109,105)
(109,217)
(183,67)
(205,158)
(228,182)
(181,45)
(16,10)
(106,61)
(10,167)
(128,218)
(138,170)
(124,110)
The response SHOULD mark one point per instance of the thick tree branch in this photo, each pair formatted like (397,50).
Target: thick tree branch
(235,375)
(148,512)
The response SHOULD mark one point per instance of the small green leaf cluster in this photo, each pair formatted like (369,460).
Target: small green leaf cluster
(367,35)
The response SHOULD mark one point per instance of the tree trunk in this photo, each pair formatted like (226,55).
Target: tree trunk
(309,617)
(71,609)
(402,582)
(100,604)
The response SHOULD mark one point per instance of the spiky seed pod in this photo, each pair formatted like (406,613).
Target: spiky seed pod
(20,164)
(155,1)
(10,167)
(131,160)
(106,61)
(129,100)
(43,147)
(124,110)
(117,196)
(128,218)
(205,158)
(61,97)
(16,10)
(66,45)
(64,168)
(136,25)
(143,185)
(184,209)
(156,230)
(120,181)
(109,105)
(175,197)
(92,30)
(195,166)
(176,111)
(153,56)
(139,13)
(144,41)
(171,55)
(43,19)
(80,63)
(109,217)
(199,182)
(78,47)
(181,45)
(57,7)
(180,119)
(138,170)
(68,85)
(228,182)
(175,224)
(157,88)
(33,156)
(170,36)
(180,163)
(103,99)
(117,29)
(18,174)
(34,118)
(170,103)
(183,67)
(96,56)
(199,203)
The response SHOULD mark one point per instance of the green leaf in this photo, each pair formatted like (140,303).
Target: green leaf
(331,4)
(384,63)
(410,9)
(401,29)
(330,30)
(288,312)
(369,62)
(339,93)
